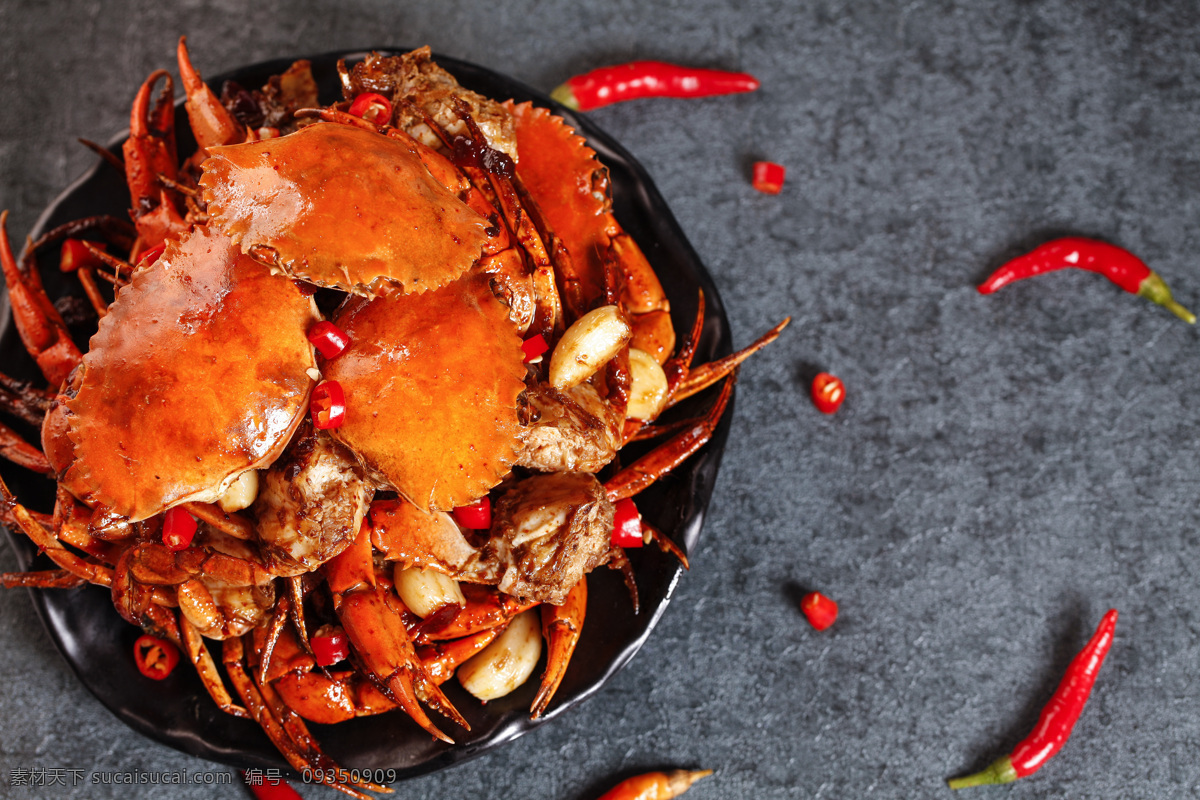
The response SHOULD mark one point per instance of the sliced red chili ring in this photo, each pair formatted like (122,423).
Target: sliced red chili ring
(179,528)
(627,525)
(328,405)
(477,516)
(820,610)
(828,392)
(373,108)
(75,254)
(155,657)
(330,648)
(534,347)
(151,255)
(329,339)
(768,177)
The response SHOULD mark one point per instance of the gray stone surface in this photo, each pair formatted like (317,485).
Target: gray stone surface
(1004,470)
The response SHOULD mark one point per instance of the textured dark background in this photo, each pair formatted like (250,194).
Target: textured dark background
(1004,470)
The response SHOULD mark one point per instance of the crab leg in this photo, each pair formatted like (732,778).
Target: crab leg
(87,570)
(210,122)
(233,524)
(233,656)
(561,626)
(440,660)
(23,400)
(41,327)
(671,453)
(22,453)
(206,668)
(44,579)
(705,375)
(486,608)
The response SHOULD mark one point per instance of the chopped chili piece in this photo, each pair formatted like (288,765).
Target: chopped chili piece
(374,108)
(819,609)
(179,527)
(828,392)
(330,645)
(655,785)
(534,348)
(151,255)
(155,657)
(1058,717)
(1117,264)
(271,789)
(329,339)
(75,255)
(477,516)
(768,177)
(639,79)
(627,525)
(328,405)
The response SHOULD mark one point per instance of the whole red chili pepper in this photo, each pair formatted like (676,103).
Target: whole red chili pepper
(639,79)
(655,785)
(1058,717)
(1117,264)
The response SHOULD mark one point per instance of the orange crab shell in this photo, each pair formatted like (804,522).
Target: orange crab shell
(197,374)
(570,186)
(342,207)
(431,384)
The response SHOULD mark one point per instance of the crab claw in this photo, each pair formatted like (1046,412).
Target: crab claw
(562,626)
(211,123)
(41,327)
(379,637)
(150,153)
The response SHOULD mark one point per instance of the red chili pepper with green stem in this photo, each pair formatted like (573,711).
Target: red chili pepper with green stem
(639,79)
(1118,265)
(1058,717)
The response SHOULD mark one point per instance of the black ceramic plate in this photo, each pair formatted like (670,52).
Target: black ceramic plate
(98,644)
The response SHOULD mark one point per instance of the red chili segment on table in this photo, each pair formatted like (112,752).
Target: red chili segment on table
(828,392)
(1117,264)
(627,525)
(768,177)
(655,785)
(819,609)
(155,657)
(179,528)
(330,340)
(328,406)
(477,516)
(1058,718)
(640,79)
(263,789)
(374,108)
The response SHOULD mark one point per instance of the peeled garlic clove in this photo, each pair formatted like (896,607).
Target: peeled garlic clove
(424,591)
(588,345)
(241,493)
(507,662)
(647,386)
